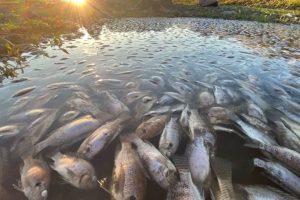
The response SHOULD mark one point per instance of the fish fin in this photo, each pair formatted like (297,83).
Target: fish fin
(104,184)
(18,187)
(181,163)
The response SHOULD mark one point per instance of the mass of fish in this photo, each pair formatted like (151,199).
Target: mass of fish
(164,131)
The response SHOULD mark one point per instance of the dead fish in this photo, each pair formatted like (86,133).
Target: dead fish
(90,65)
(196,124)
(145,105)
(151,127)
(256,123)
(199,160)
(28,116)
(185,117)
(166,109)
(158,81)
(23,91)
(286,137)
(134,96)
(234,95)
(280,175)
(75,171)
(34,132)
(165,100)
(112,105)
(170,137)
(88,71)
(131,85)
(69,133)
(221,96)
(222,169)
(68,116)
(219,115)
(260,192)
(128,179)
(177,96)
(8,132)
(158,167)
(53,86)
(184,189)
(255,111)
(182,88)
(20,80)
(287,156)
(205,99)
(82,61)
(35,179)
(254,133)
(100,138)
(293,126)
(71,71)
(110,83)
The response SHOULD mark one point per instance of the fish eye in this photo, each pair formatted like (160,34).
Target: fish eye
(170,145)
(189,113)
(38,184)
(132,198)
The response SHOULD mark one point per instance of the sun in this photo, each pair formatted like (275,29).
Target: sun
(77,2)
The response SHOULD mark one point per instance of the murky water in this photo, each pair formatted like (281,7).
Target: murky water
(177,50)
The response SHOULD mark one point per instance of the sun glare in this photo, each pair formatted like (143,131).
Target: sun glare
(76,2)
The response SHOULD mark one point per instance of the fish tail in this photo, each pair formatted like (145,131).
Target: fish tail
(181,163)
(254,145)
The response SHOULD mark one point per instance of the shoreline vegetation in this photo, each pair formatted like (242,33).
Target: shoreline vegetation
(26,25)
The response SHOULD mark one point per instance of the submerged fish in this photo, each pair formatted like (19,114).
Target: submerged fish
(145,105)
(29,115)
(219,115)
(69,133)
(221,96)
(75,170)
(158,167)
(165,100)
(255,111)
(111,104)
(151,127)
(205,99)
(286,137)
(170,138)
(100,138)
(184,189)
(23,91)
(8,132)
(35,179)
(280,175)
(185,117)
(261,192)
(128,179)
(69,116)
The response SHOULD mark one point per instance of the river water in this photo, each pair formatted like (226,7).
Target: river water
(184,50)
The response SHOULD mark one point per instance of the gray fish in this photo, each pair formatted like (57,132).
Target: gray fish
(165,100)
(219,115)
(28,116)
(158,167)
(114,83)
(221,96)
(68,116)
(54,86)
(8,132)
(23,91)
(206,99)
(100,138)
(134,96)
(166,109)
(254,133)
(255,111)
(222,169)
(35,179)
(128,179)
(286,137)
(158,81)
(261,192)
(112,105)
(69,133)
(196,124)
(256,123)
(199,160)
(287,156)
(170,137)
(185,117)
(294,126)
(234,95)
(184,189)
(177,96)
(75,171)
(144,105)
(182,88)
(280,175)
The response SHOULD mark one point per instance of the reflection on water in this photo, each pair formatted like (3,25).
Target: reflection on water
(246,57)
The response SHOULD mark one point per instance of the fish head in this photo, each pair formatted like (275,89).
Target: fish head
(166,149)
(171,176)
(88,181)
(37,191)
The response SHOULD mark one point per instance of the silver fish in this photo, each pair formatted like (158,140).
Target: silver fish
(134,96)
(261,192)
(159,168)
(185,117)
(294,126)
(28,116)
(256,123)
(100,138)
(280,175)
(165,100)
(255,134)
(286,137)
(68,116)
(170,138)
(145,105)
(35,179)
(69,133)
(9,131)
(177,96)
(255,111)
(182,88)
(23,91)
(221,96)
(166,109)
(128,180)
(75,171)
